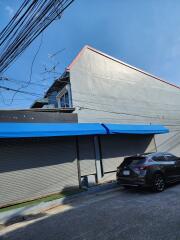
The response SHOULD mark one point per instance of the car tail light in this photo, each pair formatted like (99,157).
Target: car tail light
(143,167)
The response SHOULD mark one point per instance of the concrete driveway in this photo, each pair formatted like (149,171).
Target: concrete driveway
(112,214)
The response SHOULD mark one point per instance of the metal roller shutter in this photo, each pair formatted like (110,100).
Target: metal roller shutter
(87,155)
(36,167)
(115,147)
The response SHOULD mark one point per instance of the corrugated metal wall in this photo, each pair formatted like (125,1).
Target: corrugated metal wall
(104,90)
(115,147)
(87,155)
(36,167)
(169,142)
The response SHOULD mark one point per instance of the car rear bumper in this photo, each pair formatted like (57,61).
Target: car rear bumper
(127,181)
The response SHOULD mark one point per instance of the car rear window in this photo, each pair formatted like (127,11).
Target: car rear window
(131,161)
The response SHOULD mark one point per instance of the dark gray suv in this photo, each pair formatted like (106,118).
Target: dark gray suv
(154,170)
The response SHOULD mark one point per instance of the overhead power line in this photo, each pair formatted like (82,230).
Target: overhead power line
(9,79)
(123,113)
(31,19)
(20,91)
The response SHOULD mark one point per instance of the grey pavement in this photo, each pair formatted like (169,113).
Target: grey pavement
(112,214)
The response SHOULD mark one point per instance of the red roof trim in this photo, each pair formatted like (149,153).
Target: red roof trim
(117,60)
(77,57)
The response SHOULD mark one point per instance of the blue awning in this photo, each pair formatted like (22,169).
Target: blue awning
(135,129)
(23,130)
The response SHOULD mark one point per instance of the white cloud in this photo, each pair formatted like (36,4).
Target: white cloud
(9,10)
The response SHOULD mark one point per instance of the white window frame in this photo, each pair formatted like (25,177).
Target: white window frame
(65,90)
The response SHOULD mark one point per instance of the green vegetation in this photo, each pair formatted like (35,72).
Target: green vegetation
(40,200)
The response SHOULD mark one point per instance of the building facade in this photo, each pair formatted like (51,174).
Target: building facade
(99,89)
(39,159)
(104,89)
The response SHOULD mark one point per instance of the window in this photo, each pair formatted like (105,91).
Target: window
(159,158)
(131,161)
(64,100)
(64,97)
(170,157)
(165,157)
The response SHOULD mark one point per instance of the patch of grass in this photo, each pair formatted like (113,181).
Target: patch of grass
(40,200)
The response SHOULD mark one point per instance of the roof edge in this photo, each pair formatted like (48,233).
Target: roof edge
(77,57)
(119,61)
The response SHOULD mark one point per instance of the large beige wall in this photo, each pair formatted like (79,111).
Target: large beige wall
(104,90)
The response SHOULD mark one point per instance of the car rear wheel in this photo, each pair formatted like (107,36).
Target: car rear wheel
(158,183)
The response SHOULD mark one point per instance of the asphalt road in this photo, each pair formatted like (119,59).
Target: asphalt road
(116,214)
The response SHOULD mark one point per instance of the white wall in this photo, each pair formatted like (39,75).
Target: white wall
(104,90)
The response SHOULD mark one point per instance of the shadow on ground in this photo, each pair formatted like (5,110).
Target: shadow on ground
(109,215)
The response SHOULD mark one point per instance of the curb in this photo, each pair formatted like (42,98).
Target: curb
(20,214)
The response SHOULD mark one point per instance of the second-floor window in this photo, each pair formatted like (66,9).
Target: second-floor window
(64,97)
(64,100)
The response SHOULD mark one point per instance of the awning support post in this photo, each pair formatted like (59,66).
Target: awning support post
(155,143)
(78,163)
(98,159)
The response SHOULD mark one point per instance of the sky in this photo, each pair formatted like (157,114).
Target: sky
(143,33)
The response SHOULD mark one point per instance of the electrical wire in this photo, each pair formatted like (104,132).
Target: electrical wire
(120,102)
(31,19)
(121,113)
(20,91)
(9,79)
(33,61)
(31,70)
(96,103)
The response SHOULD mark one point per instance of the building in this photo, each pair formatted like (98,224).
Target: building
(39,159)
(104,89)
(40,115)
(121,111)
